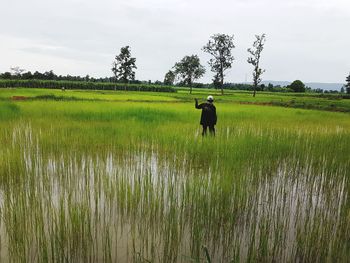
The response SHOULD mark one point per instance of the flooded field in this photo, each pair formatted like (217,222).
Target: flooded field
(87,183)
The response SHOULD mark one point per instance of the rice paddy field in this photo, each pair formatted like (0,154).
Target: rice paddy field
(127,177)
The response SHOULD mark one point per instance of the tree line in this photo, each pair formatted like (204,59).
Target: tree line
(82,85)
(186,71)
(17,79)
(18,73)
(189,68)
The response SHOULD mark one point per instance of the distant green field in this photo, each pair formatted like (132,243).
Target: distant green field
(294,100)
(114,176)
(85,95)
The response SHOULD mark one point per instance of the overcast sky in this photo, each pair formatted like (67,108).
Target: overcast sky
(306,39)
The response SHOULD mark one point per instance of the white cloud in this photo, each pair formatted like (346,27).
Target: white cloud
(306,39)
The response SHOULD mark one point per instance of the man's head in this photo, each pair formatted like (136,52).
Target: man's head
(210,99)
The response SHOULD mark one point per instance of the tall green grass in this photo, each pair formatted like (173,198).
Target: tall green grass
(86,181)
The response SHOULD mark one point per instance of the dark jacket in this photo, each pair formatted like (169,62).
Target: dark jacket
(208,117)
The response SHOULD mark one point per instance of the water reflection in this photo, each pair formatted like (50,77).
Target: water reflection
(145,206)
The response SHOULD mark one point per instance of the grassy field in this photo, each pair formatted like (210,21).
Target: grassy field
(330,102)
(127,177)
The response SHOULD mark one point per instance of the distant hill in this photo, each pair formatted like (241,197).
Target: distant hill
(313,85)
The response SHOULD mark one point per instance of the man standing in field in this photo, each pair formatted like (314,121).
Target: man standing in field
(208,117)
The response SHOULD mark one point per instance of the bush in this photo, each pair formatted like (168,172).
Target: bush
(297,86)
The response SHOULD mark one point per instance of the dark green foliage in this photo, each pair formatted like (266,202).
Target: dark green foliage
(217,82)
(169,78)
(237,86)
(50,75)
(220,46)
(347,85)
(297,86)
(254,59)
(124,65)
(270,87)
(189,69)
(54,84)
(6,75)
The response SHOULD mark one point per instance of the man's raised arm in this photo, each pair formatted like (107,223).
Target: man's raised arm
(196,105)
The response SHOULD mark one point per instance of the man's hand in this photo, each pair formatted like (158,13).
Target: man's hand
(196,103)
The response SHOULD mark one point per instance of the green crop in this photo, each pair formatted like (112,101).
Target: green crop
(130,179)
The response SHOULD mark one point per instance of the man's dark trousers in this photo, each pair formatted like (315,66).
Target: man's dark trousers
(211,130)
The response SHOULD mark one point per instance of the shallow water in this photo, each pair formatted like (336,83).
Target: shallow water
(146,206)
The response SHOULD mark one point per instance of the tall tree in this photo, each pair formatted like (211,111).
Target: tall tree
(124,65)
(297,86)
(50,75)
(17,71)
(220,47)
(217,82)
(254,59)
(189,69)
(169,78)
(347,85)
